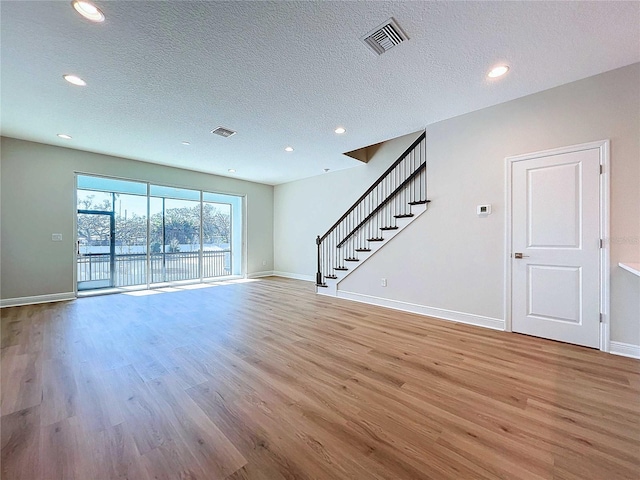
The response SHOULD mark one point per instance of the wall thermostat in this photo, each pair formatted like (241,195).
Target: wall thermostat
(484,210)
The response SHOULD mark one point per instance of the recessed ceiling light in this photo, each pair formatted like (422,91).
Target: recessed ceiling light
(75,80)
(186,143)
(288,149)
(498,71)
(231,170)
(65,136)
(340,130)
(88,10)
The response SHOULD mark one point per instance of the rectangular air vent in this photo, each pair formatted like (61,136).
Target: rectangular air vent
(384,37)
(223,132)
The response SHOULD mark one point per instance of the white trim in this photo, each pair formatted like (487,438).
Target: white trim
(74,234)
(624,349)
(53,297)
(604,334)
(244,207)
(605,252)
(276,273)
(631,267)
(507,245)
(296,276)
(441,313)
(266,273)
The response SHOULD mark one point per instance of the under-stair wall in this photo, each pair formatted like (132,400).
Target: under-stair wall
(306,208)
(395,199)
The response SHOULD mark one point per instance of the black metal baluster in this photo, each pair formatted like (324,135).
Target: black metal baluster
(405,191)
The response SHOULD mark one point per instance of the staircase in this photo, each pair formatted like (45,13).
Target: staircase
(388,206)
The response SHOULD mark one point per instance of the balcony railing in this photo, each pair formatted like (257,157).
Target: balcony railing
(131,269)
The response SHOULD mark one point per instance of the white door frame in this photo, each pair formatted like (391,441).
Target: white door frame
(603,147)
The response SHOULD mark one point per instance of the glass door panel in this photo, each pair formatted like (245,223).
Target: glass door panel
(216,244)
(181,239)
(175,239)
(156,236)
(95,252)
(130,240)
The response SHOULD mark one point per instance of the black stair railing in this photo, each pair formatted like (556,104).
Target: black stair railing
(390,197)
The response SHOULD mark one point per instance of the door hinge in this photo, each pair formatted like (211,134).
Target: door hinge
(601,243)
(601,319)
(601,169)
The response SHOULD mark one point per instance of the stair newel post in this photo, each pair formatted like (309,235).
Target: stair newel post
(319,273)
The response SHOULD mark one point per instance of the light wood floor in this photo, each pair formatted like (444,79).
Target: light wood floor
(266,380)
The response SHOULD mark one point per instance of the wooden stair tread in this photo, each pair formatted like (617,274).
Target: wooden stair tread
(419,202)
(404,215)
(388,228)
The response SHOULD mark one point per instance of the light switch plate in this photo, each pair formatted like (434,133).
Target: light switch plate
(56,237)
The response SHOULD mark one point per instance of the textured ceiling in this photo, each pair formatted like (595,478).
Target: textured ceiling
(284,73)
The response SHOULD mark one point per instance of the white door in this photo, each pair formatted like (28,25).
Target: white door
(555,248)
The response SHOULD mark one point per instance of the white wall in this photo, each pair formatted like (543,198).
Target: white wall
(451,259)
(37,190)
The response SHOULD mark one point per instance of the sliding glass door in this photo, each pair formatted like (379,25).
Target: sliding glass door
(131,239)
(216,233)
(96,249)
(113,256)
(134,233)
(175,234)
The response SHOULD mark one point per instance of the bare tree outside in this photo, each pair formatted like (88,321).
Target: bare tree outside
(181,226)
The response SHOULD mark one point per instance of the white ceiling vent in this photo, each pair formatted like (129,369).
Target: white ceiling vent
(223,132)
(384,37)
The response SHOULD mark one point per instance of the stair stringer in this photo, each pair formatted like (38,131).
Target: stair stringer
(331,289)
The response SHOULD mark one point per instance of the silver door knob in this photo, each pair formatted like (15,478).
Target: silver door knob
(519,255)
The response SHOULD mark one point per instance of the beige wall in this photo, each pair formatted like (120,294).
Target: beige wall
(451,259)
(37,199)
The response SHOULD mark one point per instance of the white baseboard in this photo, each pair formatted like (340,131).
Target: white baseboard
(460,317)
(625,349)
(266,273)
(296,276)
(54,297)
